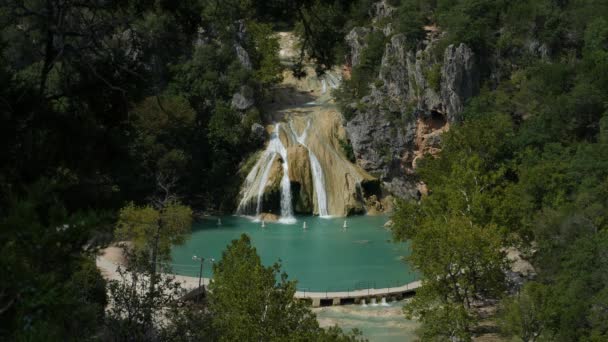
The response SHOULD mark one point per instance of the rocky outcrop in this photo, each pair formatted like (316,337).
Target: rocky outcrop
(300,177)
(381,10)
(315,130)
(258,133)
(243,56)
(355,39)
(415,98)
(241,53)
(269,217)
(243,99)
(459,79)
(379,145)
(271,199)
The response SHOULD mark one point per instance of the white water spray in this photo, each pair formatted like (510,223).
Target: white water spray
(264,165)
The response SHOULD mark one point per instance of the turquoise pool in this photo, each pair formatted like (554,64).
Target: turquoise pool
(323,257)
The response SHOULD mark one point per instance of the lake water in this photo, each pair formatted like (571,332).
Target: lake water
(324,257)
(377,323)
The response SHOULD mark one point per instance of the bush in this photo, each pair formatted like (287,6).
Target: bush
(433,76)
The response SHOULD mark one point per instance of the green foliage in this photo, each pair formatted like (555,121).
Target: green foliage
(148,228)
(50,287)
(460,262)
(363,74)
(266,57)
(247,302)
(526,167)
(433,76)
(457,232)
(525,314)
(410,22)
(347,148)
(132,301)
(323,25)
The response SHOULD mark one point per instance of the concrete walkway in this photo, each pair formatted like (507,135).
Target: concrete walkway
(357,296)
(411,287)
(110,259)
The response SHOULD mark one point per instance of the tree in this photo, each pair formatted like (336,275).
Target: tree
(461,264)
(248,303)
(50,287)
(135,313)
(455,232)
(525,314)
(153,233)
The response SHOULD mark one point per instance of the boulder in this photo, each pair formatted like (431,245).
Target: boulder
(374,206)
(243,99)
(258,133)
(243,56)
(269,217)
(388,204)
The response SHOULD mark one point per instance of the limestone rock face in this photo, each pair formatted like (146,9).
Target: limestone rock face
(351,196)
(243,56)
(301,179)
(378,143)
(341,178)
(271,200)
(355,39)
(414,88)
(460,79)
(382,9)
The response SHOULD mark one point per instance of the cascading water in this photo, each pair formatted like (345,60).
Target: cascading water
(264,165)
(318,178)
(327,182)
(264,181)
(286,202)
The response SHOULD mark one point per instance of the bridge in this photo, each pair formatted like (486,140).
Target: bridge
(365,292)
(368,295)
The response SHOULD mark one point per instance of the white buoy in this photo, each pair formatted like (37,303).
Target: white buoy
(219,221)
(345,225)
(304,225)
(263,224)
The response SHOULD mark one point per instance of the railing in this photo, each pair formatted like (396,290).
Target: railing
(369,285)
(372,287)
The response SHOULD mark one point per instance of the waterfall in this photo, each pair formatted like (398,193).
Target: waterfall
(262,186)
(286,202)
(318,183)
(322,125)
(318,178)
(263,168)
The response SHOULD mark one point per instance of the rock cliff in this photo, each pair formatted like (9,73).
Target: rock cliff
(416,96)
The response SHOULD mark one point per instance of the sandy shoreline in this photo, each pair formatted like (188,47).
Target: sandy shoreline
(112,257)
